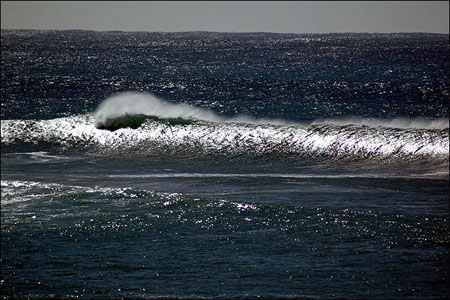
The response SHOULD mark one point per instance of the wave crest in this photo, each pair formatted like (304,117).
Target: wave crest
(401,123)
(163,126)
(313,141)
(132,109)
(139,105)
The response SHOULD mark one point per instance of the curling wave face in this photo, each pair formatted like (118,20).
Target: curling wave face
(78,133)
(131,108)
(142,122)
(401,123)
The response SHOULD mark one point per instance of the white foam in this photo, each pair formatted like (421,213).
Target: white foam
(78,132)
(229,134)
(401,123)
(276,175)
(140,103)
(43,156)
(132,103)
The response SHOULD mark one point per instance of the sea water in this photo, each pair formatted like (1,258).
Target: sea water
(224,165)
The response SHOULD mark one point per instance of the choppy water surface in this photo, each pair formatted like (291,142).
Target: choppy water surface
(215,165)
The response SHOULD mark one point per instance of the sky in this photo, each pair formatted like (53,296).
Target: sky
(229,16)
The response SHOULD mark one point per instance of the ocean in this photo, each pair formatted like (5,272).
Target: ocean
(224,165)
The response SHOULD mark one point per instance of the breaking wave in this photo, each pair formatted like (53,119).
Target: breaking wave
(78,133)
(128,105)
(139,121)
(402,123)
(131,109)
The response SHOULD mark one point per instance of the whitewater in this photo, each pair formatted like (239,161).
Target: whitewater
(224,165)
(209,132)
(133,103)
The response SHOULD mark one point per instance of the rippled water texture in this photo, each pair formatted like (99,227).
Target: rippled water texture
(224,165)
(127,242)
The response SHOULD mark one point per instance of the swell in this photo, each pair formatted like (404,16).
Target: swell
(78,133)
(401,123)
(133,106)
(132,109)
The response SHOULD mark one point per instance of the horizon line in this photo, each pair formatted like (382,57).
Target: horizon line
(229,32)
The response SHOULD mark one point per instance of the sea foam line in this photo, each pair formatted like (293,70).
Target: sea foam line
(78,132)
(275,175)
(139,103)
(398,122)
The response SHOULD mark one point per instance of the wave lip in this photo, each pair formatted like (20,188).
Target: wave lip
(130,109)
(399,122)
(314,141)
(157,128)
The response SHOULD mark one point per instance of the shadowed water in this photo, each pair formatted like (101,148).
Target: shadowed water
(220,165)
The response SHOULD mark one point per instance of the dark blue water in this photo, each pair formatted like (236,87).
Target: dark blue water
(224,165)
